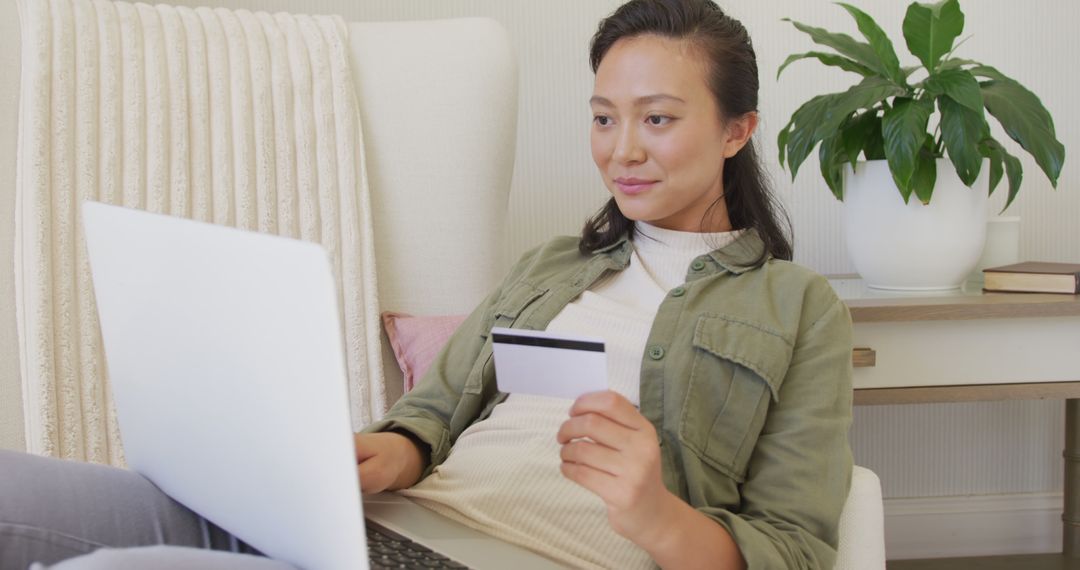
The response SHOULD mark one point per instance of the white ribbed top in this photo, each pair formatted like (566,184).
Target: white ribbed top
(502,476)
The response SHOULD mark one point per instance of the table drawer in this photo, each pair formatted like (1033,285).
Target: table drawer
(979,351)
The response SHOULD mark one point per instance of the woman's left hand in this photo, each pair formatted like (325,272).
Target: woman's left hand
(620,462)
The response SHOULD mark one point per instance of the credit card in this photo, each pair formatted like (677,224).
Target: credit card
(553,364)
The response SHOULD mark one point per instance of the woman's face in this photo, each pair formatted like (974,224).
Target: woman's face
(658,137)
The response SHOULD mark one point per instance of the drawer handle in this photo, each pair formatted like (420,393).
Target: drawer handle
(863,357)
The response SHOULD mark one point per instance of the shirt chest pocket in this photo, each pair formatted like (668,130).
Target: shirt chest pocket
(511,306)
(506,312)
(736,371)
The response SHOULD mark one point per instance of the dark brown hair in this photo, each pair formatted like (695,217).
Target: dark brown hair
(733,80)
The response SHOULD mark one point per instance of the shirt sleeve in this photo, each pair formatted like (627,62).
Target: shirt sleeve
(427,411)
(800,471)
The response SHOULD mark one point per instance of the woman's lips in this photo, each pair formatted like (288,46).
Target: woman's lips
(632,186)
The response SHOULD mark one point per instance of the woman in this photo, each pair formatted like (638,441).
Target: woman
(722,442)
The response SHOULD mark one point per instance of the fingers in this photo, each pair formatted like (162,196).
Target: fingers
(593,455)
(596,427)
(611,405)
(608,419)
(382,459)
(594,480)
(374,476)
(366,445)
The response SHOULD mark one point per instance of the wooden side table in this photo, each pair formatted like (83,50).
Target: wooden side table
(965,346)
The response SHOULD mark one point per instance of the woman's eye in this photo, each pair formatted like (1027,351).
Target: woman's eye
(602,120)
(658,120)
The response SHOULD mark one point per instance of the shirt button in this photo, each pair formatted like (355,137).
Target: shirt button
(656,352)
(678,292)
(697,265)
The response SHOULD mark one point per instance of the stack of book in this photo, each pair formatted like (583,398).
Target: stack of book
(1033,277)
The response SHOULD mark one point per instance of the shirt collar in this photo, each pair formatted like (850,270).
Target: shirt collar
(736,257)
(739,255)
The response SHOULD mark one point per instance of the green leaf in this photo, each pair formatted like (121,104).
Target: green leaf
(868,93)
(955,63)
(1027,122)
(782,140)
(874,149)
(962,130)
(982,70)
(879,42)
(830,59)
(801,138)
(820,117)
(987,71)
(832,158)
(997,153)
(925,176)
(996,161)
(1015,172)
(958,84)
(844,45)
(930,30)
(1031,100)
(858,132)
(904,130)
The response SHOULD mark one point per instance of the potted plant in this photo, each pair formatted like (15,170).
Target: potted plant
(904,122)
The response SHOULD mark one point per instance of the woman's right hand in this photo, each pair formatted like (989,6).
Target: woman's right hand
(386,461)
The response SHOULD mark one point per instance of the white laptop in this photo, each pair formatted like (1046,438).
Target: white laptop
(225,355)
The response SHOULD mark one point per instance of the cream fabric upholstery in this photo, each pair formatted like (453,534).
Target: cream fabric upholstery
(223,116)
(862,524)
(438,105)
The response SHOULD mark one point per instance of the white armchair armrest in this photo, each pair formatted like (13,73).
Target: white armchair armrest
(862,524)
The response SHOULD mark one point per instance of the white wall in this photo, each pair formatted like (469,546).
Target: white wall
(11,417)
(925,450)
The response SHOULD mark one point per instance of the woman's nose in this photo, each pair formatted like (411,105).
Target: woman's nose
(628,149)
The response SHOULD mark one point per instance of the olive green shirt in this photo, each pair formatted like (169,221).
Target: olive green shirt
(746,376)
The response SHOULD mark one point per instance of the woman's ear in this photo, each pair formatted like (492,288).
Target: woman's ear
(739,131)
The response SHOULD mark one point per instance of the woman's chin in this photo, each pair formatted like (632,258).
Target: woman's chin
(634,210)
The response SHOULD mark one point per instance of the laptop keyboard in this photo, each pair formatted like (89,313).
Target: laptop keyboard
(388,549)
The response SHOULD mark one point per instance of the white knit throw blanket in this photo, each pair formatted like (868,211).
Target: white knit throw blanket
(242,119)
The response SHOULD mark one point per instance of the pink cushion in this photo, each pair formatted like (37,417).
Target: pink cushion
(417,341)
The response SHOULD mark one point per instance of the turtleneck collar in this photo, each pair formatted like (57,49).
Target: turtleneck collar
(648,237)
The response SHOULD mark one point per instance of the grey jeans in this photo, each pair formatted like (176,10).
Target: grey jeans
(79,516)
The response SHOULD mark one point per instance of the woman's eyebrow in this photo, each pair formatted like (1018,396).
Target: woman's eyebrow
(644,100)
(657,98)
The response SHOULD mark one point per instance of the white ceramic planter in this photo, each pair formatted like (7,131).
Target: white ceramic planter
(912,246)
